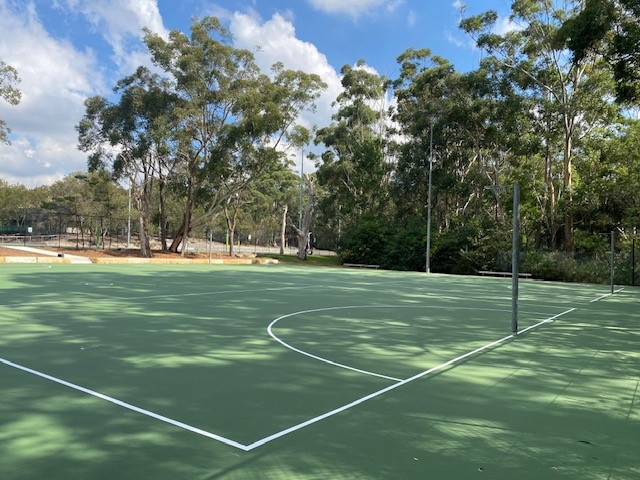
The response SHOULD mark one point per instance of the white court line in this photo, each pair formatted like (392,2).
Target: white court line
(606,295)
(282,433)
(292,429)
(128,406)
(347,367)
(316,357)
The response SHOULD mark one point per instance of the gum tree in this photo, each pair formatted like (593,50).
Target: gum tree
(231,120)
(130,138)
(8,92)
(573,87)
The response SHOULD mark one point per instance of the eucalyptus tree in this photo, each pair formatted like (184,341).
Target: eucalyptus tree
(232,118)
(545,69)
(610,28)
(608,197)
(420,90)
(14,201)
(8,92)
(355,168)
(267,202)
(303,230)
(130,138)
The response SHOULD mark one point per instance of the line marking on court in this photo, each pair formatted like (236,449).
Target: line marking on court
(606,295)
(316,357)
(311,421)
(289,430)
(128,406)
(347,367)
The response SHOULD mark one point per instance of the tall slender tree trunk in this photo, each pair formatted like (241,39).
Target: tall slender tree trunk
(551,207)
(182,235)
(143,221)
(307,218)
(569,241)
(283,228)
(187,222)
(163,215)
(232,220)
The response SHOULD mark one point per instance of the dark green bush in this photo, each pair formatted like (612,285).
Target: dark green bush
(365,242)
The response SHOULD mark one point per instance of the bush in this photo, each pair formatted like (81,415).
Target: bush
(560,266)
(365,242)
(405,249)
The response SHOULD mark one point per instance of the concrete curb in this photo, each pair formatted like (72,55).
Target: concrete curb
(143,261)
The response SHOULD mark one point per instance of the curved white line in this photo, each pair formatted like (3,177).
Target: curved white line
(316,357)
(341,365)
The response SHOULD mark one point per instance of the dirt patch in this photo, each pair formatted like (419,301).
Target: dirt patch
(10,252)
(135,253)
(119,253)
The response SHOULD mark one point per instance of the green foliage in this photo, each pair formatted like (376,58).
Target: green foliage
(610,28)
(354,170)
(366,242)
(405,248)
(8,92)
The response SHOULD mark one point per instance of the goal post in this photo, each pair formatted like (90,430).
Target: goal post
(515,259)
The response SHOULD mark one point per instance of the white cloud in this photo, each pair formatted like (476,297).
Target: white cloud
(458,5)
(353,8)
(56,78)
(459,41)
(505,25)
(277,42)
(412,18)
(121,23)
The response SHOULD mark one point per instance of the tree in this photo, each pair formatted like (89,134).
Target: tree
(8,92)
(304,229)
(610,28)
(544,68)
(130,138)
(231,119)
(355,168)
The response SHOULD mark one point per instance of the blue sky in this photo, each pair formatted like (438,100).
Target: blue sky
(68,50)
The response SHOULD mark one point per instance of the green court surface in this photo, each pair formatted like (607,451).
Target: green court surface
(252,372)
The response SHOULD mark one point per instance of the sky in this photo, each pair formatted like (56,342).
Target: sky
(68,50)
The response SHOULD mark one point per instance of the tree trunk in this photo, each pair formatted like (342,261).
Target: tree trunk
(568,183)
(145,245)
(139,195)
(183,235)
(307,218)
(283,228)
(177,240)
(232,220)
(163,216)
(551,206)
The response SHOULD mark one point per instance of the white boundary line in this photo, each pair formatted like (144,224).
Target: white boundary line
(316,357)
(128,406)
(282,433)
(341,365)
(606,295)
(294,428)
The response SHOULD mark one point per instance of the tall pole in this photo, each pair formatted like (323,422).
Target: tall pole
(427,256)
(301,176)
(210,240)
(613,258)
(129,221)
(633,262)
(515,259)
